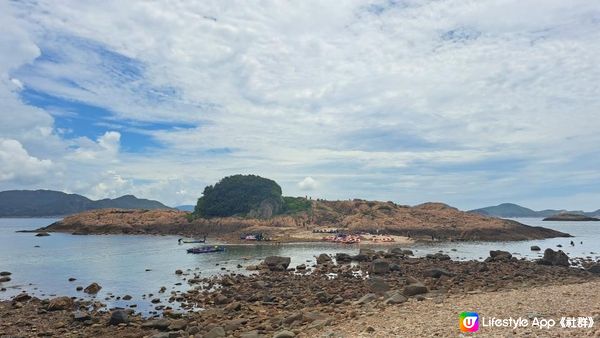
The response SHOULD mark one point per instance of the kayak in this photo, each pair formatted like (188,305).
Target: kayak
(206,249)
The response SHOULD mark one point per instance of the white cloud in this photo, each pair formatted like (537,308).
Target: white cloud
(447,100)
(308,183)
(18,165)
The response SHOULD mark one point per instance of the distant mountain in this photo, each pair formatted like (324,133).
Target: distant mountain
(39,203)
(185,207)
(515,210)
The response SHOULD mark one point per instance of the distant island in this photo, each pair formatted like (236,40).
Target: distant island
(248,203)
(568,217)
(43,203)
(511,210)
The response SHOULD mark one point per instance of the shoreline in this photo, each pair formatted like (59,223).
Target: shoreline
(304,300)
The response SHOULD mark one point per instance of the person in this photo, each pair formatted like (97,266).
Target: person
(572,244)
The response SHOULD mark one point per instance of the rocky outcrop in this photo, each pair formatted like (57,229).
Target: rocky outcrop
(426,221)
(566,217)
(557,258)
(277,263)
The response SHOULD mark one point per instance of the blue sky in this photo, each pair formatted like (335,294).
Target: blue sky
(471,103)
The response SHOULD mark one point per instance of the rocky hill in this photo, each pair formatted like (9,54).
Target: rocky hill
(511,210)
(569,217)
(41,203)
(428,220)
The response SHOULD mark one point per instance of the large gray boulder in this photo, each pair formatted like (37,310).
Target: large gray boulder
(556,258)
(380,266)
(277,263)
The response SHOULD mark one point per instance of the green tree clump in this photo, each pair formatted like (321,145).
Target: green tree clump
(293,205)
(238,195)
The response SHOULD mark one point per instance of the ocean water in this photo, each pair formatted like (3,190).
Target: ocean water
(119,262)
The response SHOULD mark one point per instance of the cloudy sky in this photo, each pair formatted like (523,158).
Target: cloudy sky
(469,102)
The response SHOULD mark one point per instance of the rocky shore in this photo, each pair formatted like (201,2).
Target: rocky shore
(422,222)
(330,296)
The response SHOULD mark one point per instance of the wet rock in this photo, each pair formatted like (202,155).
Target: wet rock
(342,257)
(323,259)
(369,297)
(499,256)
(216,332)
(380,266)
(301,267)
(178,272)
(535,248)
(42,234)
(4,279)
(284,334)
(155,301)
(277,263)
(118,317)
(92,289)
(71,279)
(79,288)
(60,303)
(127,297)
(557,258)
(436,273)
(414,289)
(594,269)
(361,258)
(438,256)
(5,273)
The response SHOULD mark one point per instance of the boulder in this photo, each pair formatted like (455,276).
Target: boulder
(594,269)
(499,256)
(369,297)
(216,332)
(535,248)
(438,256)
(5,273)
(118,317)
(414,289)
(380,266)
(378,285)
(159,324)
(92,289)
(81,316)
(4,279)
(60,303)
(301,267)
(395,267)
(22,297)
(277,263)
(395,298)
(323,297)
(342,257)
(557,258)
(323,259)
(436,273)
(361,258)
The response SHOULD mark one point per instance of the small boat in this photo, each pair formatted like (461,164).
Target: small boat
(206,249)
(181,240)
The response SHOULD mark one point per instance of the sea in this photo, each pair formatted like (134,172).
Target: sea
(140,265)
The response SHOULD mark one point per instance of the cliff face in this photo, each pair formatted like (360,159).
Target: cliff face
(425,220)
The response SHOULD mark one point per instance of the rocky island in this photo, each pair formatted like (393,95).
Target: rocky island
(239,204)
(568,217)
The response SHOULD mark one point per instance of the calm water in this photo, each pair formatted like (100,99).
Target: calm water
(118,263)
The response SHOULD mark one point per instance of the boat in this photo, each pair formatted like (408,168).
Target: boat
(181,240)
(206,249)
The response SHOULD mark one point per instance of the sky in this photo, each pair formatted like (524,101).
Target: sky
(466,102)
